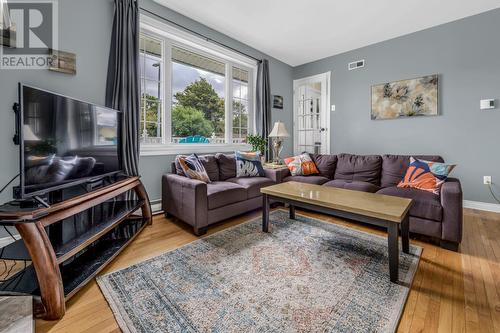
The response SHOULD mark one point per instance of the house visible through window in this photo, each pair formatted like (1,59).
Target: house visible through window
(192,95)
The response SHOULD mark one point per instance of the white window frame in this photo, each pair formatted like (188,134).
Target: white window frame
(172,36)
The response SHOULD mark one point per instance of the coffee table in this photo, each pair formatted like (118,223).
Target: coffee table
(377,209)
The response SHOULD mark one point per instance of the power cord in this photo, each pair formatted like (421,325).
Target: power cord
(493,193)
(3,189)
(10,181)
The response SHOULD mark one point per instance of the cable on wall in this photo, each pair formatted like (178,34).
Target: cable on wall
(493,193)
(5,186)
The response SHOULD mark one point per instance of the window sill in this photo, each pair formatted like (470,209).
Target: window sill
(189,148)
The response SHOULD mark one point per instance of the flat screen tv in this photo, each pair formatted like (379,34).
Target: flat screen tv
(64,142)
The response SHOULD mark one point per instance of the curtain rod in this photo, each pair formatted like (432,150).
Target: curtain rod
(208,39)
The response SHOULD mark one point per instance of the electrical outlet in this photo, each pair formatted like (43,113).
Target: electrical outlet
(487,180)
(332,108)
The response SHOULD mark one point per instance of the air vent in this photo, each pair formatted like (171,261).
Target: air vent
(356,64)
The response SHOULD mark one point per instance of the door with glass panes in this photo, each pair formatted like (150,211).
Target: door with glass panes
(311,114)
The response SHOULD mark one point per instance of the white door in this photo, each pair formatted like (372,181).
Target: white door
(311,114)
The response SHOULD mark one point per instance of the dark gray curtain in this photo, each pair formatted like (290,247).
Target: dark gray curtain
(263,96)
(123,89)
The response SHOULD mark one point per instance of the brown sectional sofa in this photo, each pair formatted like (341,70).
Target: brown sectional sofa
(200,204)
(437,216)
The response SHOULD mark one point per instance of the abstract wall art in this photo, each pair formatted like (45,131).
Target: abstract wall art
(406,98)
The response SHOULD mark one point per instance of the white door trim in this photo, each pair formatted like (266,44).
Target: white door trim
(325,79)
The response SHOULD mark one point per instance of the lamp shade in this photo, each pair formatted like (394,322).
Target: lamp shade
(279,131)
(28,134)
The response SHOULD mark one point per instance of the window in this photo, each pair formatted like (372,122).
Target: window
(198,91)
(151,60)
(240,105)
(194,95)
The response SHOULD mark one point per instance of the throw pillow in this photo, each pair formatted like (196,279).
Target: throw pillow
(426,175)
(193,168)
(301,165)
(248,164)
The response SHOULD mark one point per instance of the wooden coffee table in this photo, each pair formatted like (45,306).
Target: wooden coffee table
(382,210)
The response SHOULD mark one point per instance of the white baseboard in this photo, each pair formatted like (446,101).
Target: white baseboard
(489,207)
(156,208)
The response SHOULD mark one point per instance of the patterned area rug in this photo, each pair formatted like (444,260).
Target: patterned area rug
(304,276)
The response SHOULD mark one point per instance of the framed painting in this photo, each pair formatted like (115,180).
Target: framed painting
(278,102)
(63,62)
(406,98)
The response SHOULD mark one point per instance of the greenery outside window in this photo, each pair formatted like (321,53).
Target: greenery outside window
(150,64)
(195,97)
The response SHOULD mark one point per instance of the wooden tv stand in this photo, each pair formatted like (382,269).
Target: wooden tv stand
(61,266)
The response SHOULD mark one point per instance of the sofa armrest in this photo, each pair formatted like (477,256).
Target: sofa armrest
(186,199)
(277,175)
(452,202)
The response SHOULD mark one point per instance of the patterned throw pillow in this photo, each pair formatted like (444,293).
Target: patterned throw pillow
(425,175)
(301,165)
(193,168)
(248,164)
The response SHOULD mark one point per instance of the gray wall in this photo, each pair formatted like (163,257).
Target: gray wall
(458,51)
(152,167)
(466,55)
(90,41)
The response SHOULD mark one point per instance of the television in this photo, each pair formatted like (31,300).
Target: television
(64,142)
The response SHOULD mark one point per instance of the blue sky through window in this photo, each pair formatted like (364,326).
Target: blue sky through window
(183,75)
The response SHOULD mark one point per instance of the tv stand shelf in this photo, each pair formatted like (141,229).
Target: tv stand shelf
(59,268)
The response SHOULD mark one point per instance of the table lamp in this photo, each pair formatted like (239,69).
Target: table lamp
(279,131)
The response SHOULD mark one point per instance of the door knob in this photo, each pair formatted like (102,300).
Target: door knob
(322,129)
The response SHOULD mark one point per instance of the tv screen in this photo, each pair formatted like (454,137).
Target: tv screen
(64,141)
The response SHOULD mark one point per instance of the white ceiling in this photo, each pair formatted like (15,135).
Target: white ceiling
(298,32)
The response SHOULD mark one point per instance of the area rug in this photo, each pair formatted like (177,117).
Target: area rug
(305,276)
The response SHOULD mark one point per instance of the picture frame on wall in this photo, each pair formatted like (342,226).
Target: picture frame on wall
(416,97)
(63,62)
(277,102)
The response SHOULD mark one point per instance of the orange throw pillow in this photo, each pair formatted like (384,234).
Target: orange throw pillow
(301,165)
(425,175)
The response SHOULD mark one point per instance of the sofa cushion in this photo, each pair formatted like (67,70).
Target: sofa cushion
(301,165)
(318,180)
(210,164)
(227,166)
(326,164)
(364,168)
(425,204)
(394,167)
(252,184)
(192,167)
(224,193)
(353,185)
(248,164)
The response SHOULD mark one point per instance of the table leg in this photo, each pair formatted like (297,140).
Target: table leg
(393,229)
(265,213)
(405,234)
(292,212)
(47,270)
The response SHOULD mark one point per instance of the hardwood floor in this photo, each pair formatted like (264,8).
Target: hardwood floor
(452,292)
